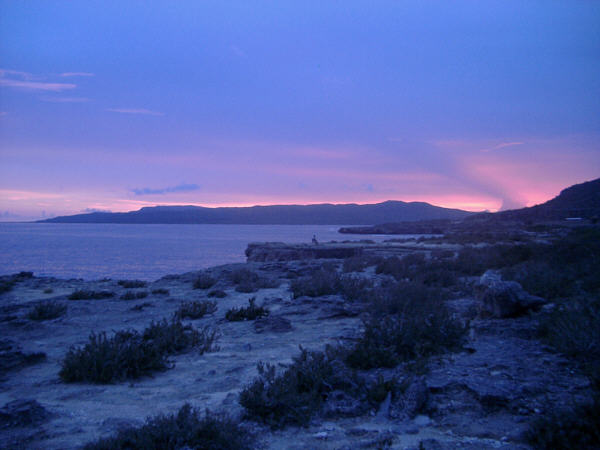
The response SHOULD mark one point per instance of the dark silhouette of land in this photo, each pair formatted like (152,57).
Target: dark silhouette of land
(320,214)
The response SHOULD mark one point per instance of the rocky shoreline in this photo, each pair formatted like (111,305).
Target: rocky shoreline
(484,395)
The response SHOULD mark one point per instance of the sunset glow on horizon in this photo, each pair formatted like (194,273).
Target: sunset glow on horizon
(468,105)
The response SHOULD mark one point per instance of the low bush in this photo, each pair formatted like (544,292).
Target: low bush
(130,354)
(195,309)
(134,295)
(132,284)
(320,282)
(573,329)
(217,293)
(204,281)
(248,281)
(188,428)
(357,263)
(405,326)
(292,397)
(83,294)
(250,312)
(47,311)
(577,428)
(160,291)
(48,291)
(354,288)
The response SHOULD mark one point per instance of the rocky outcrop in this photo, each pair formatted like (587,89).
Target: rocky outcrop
(278,251)
(22,413)
(500,298)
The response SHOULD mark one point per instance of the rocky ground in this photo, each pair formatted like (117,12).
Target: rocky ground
(484,396)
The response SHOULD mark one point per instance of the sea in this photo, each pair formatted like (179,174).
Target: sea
(145,252)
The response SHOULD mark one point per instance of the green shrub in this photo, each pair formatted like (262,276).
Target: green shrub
(106,360)
(47,311)
(577,428)
(204,281)
(188,428)
(250,312)
(573,329)
(354,288)
(134,295)
(405,328)
(217,293)
(195,309)
(476,260)
(160,291)
(83,294)
(357,263)
(321,282)
(292,397)
(132,284)
(247,281)
(129,354)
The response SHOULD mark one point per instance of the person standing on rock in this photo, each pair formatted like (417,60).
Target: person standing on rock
(314,240)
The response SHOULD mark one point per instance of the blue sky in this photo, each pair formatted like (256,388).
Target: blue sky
(117,105)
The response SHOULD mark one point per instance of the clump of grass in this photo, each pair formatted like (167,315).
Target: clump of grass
(217,293)
(47,311)
(195,309)
(204,281)
(134,295)
(250,312)
(82,294)
(130,354)
(132,284)
(160,291)
(188,428)
(248,281)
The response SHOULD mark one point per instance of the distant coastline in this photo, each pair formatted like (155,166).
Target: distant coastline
(317,214)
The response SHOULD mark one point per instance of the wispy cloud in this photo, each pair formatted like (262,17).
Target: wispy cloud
(76,74)
(23,80)
(65,99)
(95,210)
(37,85)
(168,190)
(142,111)
(500,146)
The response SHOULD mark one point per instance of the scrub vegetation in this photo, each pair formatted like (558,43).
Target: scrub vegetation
(130,354)
(188,428)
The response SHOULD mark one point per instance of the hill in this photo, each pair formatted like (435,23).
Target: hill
(577,201)
(319,214)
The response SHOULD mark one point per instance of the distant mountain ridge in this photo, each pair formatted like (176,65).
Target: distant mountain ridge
(317,214)
(577,201)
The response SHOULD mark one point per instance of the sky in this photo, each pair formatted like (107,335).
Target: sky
(117,105)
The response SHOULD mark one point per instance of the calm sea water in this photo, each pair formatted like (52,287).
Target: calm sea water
(148,252)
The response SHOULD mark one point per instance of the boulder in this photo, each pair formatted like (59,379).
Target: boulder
(502,299)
